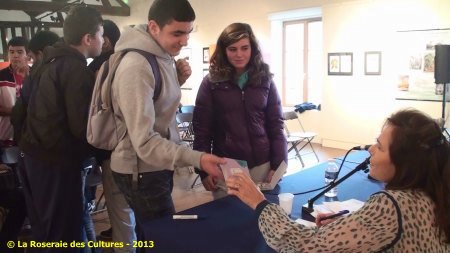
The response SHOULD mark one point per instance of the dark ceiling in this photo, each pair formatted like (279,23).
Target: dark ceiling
(37,9)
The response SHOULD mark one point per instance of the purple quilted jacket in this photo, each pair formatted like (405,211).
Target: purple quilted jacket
(241,124)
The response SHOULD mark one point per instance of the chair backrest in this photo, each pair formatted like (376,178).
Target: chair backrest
(184,121)
(291,116)
(187,108)
(184,117)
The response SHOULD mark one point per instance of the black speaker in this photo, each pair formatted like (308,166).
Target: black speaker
(442,64)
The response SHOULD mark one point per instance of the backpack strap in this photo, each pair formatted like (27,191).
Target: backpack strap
(106,93)
(105,71)
(104,87)
(151,58)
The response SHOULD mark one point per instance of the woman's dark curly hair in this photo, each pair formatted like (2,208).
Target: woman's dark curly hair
(221,69)
(420,154)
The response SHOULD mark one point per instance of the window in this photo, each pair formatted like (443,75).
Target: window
(302,62)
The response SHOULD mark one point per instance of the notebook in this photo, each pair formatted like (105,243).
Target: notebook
(281,170)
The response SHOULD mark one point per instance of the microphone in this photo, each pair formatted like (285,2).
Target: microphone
(362,166)
(362,147)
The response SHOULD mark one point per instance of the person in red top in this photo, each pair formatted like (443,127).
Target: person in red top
(11,79)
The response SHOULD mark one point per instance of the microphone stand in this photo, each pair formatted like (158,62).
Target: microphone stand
(444,100)
(361,166)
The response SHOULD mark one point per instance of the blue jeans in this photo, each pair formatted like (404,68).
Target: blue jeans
(152,198)
(88,224)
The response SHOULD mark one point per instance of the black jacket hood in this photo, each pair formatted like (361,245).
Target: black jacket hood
(61,49)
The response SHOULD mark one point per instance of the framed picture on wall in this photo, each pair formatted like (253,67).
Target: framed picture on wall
(340,64)
(372,63)
(205,54)
(414,64)
(205,72)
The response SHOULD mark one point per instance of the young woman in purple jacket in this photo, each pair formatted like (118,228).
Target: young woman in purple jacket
(238,110)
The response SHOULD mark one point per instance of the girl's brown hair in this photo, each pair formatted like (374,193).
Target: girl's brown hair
(221,69)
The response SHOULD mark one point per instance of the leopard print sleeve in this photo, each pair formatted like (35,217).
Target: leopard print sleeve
(375,227)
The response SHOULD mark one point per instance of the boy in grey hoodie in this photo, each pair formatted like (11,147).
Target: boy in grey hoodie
(150,149)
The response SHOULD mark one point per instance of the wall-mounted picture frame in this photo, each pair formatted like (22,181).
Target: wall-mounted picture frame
(372,63)
(205,72)
(206,55)
(340,64)
(414,64)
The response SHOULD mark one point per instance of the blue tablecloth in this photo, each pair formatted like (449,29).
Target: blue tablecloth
(358,186)
(228,225)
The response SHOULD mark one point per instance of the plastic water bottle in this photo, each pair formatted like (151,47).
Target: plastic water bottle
(330,176)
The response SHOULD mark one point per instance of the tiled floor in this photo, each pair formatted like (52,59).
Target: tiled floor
(186,197)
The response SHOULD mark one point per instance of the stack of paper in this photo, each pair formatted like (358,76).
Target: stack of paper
(335,206)
(305,222)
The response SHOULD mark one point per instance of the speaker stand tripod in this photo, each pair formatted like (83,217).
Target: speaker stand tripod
(443,120)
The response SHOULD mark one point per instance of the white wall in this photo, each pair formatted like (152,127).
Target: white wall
(212,17)
(354,107)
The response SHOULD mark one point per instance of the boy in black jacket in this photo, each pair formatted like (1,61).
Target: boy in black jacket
(54,136)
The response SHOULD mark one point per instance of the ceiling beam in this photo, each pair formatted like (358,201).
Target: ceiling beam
(106,3)
(33,14)
(41,6)
(5,24)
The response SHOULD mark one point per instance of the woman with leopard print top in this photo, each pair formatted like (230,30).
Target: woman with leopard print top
(412,215)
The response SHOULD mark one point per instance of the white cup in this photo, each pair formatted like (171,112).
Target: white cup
(286,200)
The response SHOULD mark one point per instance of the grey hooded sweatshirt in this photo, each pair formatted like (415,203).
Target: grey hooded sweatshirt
(151,142)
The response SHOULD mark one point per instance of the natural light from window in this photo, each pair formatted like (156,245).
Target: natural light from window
(302,62)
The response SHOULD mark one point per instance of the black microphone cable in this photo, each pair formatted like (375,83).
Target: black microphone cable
(366,147)
(298,193)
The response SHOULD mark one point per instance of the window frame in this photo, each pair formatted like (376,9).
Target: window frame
(305,70)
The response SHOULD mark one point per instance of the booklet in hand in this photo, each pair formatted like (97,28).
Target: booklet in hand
(233,166)
(281,170)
